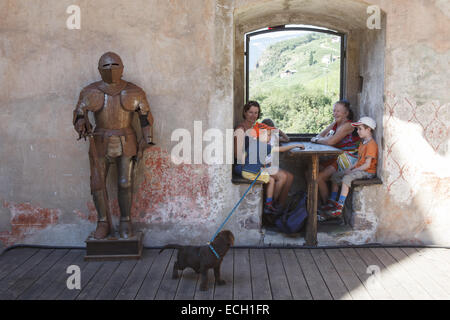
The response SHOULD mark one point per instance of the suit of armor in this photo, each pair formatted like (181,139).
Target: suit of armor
(113,102)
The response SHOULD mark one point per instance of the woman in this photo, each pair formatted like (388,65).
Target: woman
(283,178)
(340,134)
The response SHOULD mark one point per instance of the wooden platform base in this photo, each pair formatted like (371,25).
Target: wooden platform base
(114,249)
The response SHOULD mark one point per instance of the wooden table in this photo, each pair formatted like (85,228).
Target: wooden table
(313,151)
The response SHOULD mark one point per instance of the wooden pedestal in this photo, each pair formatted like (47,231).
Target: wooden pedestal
(114,249)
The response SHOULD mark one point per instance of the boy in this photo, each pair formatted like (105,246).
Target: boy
(261,135)
(282,137)
(365,168)
(276,136)
(274,171)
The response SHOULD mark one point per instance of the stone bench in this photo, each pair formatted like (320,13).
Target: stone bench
(348,208)
(237,179)
(366,182)
(348,211)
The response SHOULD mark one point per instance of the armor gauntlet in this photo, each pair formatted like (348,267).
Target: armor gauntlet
(146,120)
(91,99)
(79,121)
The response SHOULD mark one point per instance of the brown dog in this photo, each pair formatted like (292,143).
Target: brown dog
(201,259)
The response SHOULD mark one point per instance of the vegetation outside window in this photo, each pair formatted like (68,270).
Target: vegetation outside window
(296,74)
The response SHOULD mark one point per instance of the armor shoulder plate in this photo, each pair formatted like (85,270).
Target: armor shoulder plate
(92,97)
(131,97)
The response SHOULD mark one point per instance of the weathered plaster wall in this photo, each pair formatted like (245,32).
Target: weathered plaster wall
(175,51)
(372,70)
(183,55)
(414,200)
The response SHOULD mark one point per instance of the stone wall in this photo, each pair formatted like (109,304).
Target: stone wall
(184,56)
(415,197)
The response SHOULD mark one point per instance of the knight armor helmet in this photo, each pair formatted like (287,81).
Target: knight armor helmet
(110,67)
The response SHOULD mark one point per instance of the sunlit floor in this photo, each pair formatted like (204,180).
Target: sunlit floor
(362,273)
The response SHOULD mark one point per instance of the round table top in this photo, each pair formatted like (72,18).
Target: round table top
(313,148)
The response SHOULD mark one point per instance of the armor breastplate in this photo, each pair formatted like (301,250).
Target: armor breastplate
(113,108)
(112,115)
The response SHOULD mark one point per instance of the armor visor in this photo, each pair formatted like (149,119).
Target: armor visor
(111,74)
(110,67)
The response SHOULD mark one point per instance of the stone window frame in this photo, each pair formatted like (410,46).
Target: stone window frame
(365,69)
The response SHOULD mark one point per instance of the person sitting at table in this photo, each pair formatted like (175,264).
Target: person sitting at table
(257,145)
(342,135)
(283,179)
(365,167)
(250,114)
(276,136)
(281,136)
(265,135)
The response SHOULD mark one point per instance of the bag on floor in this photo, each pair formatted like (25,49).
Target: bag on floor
(292,221)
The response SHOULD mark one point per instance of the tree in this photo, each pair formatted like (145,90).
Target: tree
(311,58)
(296,104)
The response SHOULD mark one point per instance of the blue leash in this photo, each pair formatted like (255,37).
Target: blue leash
(231,213)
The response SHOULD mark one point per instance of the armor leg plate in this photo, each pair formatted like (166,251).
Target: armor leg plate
(125,169)
(100,202)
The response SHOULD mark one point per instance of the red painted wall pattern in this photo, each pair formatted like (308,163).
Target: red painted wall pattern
(27,219)
(164,193)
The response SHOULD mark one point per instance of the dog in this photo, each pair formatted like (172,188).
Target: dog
(202,258)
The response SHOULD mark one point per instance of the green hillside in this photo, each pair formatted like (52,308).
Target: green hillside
(296,81)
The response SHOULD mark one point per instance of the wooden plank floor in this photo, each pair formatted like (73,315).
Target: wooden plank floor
(250,274)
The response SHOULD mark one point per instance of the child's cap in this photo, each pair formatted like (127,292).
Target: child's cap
(368,121)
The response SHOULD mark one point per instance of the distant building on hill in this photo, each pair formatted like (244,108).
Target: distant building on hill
(287,73)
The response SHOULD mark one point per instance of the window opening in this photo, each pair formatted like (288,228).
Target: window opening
(296,73)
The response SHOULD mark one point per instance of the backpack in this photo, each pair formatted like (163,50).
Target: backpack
(292,221)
